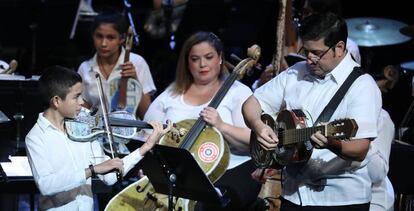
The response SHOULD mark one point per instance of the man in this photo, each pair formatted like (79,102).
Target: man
(330,179)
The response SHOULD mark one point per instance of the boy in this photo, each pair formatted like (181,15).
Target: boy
(62,168)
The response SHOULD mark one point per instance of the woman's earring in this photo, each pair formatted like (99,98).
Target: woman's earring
(221,61)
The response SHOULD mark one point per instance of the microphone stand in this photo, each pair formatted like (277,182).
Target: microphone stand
(131,21)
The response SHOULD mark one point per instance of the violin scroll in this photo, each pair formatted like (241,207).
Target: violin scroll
(254,53)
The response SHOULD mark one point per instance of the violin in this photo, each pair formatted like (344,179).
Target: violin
(88,126)
(125,92)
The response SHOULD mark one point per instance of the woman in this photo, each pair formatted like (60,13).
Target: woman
(199,76)
(108,33)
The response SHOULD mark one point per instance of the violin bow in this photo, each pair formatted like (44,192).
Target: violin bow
(105,115)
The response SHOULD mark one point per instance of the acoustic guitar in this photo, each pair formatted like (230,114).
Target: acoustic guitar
(294,137)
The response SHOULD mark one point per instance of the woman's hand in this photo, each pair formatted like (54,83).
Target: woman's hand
(212,117)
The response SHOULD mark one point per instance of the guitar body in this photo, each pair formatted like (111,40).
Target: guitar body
(294,153)
(210,151)
(133,95)
(294,145)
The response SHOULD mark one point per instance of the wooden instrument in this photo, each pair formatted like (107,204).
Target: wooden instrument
(205,143)
(277,56)
(125,93)
(294,137)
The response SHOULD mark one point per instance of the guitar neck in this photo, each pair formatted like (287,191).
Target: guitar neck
(123,84)
(293,136)
(126,56)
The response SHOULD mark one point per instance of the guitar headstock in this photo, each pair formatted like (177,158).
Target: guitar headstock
(342,129)
(128,40)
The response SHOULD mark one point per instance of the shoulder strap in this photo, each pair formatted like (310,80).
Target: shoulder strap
(336,99)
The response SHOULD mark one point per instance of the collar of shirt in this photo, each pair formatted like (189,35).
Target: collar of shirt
(341,72)
(95,66)
(44,123)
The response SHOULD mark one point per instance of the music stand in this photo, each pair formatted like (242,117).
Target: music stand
(174,172)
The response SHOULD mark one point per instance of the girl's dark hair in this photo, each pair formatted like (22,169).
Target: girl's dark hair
(112,17)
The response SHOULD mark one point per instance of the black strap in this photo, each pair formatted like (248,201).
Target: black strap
(337,98)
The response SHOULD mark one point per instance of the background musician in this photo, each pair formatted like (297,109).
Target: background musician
(309,85)
(62,168)
(108,32)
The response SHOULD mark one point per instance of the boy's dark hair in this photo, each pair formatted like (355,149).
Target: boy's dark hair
(329,26)
(56,81)
(111,16)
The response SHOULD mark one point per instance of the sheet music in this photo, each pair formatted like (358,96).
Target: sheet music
(18,167)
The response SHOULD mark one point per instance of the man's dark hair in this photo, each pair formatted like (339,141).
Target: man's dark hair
(328,26)
(57,81)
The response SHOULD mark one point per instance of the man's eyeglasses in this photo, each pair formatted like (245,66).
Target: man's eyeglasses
(315,56)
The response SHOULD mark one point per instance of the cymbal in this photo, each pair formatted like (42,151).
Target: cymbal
(369,31)
(408,30)
(407,66)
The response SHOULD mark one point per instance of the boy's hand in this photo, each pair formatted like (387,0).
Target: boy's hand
(107,166)
(157,132)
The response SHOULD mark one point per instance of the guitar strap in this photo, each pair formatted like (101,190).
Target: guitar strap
(337,98)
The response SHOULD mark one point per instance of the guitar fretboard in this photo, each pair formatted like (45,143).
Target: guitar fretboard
(292,136)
